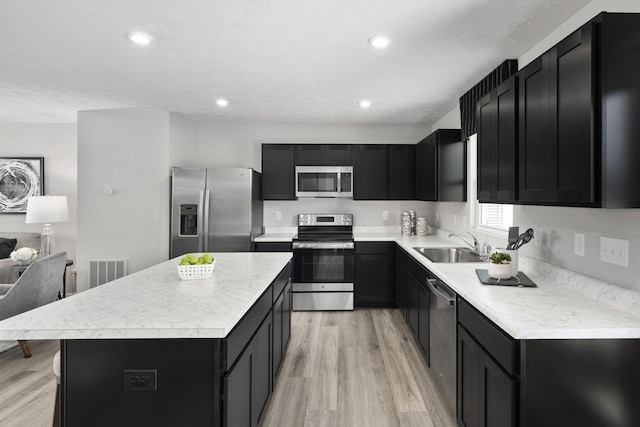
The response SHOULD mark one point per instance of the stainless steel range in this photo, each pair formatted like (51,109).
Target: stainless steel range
(323,262)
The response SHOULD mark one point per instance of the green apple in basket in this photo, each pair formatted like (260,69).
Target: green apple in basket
(191,259)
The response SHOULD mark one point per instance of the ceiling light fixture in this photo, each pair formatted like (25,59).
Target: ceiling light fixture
(222,102)
(139,38)
(364,103)
(379,41)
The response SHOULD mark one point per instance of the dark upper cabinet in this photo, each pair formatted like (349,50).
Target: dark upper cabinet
(370,172)
(496,119)
(556,144)
(441,173)
(576,134)
(278,166)
(323,155)
(402,172)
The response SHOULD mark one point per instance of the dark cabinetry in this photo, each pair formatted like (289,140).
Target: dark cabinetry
(278,166)
(247,386)
(441,162)
(402,172)
(557,139)
(323,155)
(370,172)
(575,135)
(496,118)
(281,328)
(487,392)
(401,277)
(272,246)
(374,274)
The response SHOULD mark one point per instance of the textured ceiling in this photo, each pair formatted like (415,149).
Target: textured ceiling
(275,60)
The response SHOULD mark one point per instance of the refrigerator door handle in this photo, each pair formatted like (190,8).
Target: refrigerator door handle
(207,209)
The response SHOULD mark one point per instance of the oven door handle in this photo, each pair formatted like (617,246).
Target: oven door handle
(322,245)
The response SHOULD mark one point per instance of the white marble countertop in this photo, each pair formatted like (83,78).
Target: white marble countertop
(155,303)
(553,310)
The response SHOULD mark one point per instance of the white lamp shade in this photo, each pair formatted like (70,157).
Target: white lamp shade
(47,209)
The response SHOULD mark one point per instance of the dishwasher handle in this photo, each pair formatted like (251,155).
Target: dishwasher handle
(433,286)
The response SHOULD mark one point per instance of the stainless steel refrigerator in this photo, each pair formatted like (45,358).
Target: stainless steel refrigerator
(214,210)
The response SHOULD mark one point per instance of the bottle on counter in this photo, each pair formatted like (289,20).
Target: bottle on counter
(405,223)
(412,214)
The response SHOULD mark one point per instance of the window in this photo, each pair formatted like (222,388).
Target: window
(495,216)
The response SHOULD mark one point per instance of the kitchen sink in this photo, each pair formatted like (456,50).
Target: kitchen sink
(450,254)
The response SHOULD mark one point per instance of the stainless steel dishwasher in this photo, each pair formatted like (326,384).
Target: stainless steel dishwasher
(442,339)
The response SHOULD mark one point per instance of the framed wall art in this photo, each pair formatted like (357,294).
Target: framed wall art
(20,178)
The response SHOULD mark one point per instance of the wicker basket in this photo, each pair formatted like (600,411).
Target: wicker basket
(191,272)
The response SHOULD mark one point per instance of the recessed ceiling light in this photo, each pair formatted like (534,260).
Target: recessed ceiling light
(222,102)
(364,103)
(139,38)
(379,41)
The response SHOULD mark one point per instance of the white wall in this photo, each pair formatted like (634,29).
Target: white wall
(129,152)
(560,224)
(57,143)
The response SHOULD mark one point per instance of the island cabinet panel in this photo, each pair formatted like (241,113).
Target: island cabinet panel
(247,386)
(374,274)
(278,177)
(281,328)
(183,377)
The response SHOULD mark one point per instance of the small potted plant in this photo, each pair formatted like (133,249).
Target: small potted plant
(500,265)
(24,256)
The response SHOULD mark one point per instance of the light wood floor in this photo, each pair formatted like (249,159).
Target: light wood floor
(356,368)
(28,386)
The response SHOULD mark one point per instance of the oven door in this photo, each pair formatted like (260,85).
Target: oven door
(313,265)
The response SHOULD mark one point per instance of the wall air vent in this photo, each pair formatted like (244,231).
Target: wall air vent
(103,271)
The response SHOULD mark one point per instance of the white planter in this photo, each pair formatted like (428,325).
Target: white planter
(499,271)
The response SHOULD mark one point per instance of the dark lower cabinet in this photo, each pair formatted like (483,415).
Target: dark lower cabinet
(247,386)
(374,274)
(486,393)
(487,371)
(401,277)
(272,246)
(413,308)
(423,319)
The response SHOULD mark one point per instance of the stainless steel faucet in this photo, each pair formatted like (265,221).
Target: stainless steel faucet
(476,245)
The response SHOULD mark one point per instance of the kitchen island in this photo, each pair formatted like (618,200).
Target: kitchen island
(151,350)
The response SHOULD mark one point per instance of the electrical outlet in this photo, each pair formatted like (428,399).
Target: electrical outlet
(140,380)
(578,244)
(455,219)
(464,221)
(385,215)
(614,251)
(278,215)
(537,236)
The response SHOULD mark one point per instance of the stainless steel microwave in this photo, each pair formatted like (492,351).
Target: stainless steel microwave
(324,181)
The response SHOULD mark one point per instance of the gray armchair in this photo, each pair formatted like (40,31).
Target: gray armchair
(37,286)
